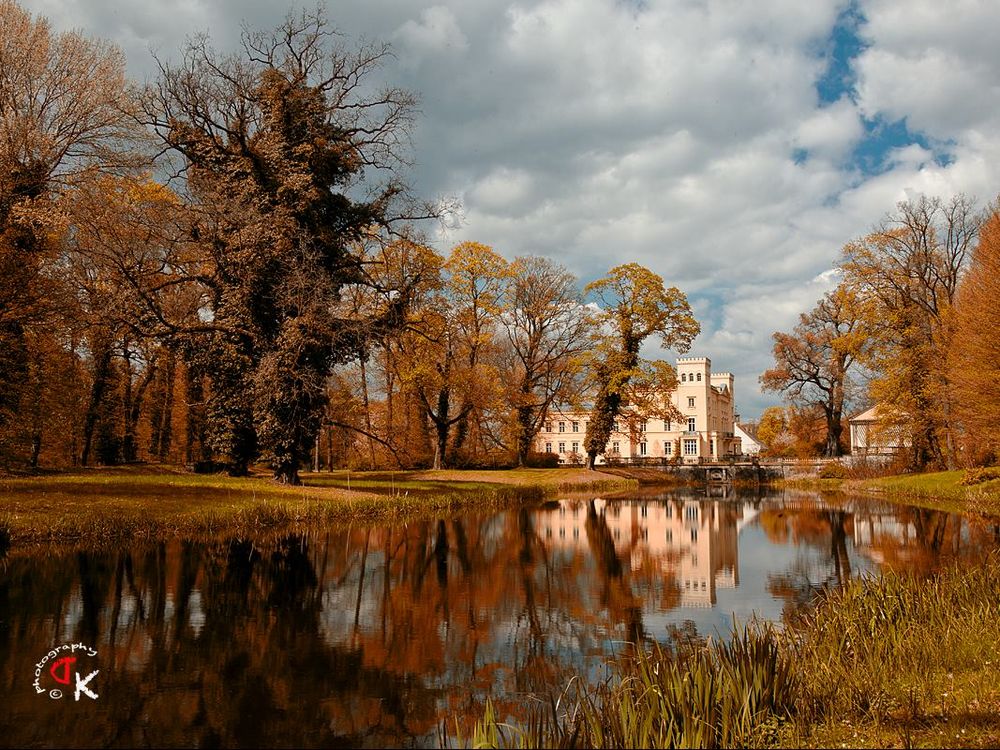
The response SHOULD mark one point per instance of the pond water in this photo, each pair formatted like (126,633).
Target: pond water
(372,636)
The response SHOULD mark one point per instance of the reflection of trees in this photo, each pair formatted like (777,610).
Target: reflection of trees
(894,536)
(348,637)
(362,636)
(616,591)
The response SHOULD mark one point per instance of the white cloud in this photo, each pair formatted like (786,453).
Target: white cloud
(599,132)
(437,32)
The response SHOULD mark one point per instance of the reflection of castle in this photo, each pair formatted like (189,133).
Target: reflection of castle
(694,541)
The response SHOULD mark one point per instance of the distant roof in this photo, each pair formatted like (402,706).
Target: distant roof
(867,416)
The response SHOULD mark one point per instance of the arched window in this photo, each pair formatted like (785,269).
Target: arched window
(684,377)
(699,377)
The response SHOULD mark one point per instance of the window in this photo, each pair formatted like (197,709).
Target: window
(643,510)
(642,449)
(548,427)
(614,447)
(668,426)
(668,448)
(614,426)
(694,535)
(699,377)
(562,427)
(684,377)
(576,447)
(712,449)
(576,426)
(642,427)
(562,447)
(692,425)
(548,447)
(670,536)
(690,402)
(690,447)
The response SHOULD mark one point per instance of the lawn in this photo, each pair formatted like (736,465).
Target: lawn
(109,505)
(939,490)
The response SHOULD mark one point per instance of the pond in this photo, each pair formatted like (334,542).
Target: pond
(372,636)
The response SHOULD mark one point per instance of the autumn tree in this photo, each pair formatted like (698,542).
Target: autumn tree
(907,272)
(547,331)
(448,356)
(65,114)
(772,431)
(276,144)
(974,357)
(634,305)
(813,362)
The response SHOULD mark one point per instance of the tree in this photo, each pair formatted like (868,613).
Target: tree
(907,272)
(547,330)
(812,364)
(66,114)
(447,357)
(634,305)
(772,431)
(276,143)
(974,357)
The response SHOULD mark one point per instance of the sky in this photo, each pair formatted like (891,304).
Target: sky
(732,147)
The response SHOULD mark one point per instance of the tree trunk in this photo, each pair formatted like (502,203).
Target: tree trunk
(167,415)
(526,433)
(287,472)
(368,411)
(37,421)
(133,410)
(102,371)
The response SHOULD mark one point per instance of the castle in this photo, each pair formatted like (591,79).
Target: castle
(705,432)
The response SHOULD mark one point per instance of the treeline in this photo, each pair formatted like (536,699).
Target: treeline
(222,267)
(911,328)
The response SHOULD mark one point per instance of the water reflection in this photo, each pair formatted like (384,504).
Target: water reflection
(370,636)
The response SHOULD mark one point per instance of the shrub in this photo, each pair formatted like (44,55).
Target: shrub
(980,475)
(542,461)
(833,471)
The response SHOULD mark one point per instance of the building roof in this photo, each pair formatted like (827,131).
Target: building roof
(867,416)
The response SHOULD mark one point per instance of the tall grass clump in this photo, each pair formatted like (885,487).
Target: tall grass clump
(884,646)
(717,694)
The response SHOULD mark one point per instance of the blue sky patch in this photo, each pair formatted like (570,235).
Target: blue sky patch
(843,45)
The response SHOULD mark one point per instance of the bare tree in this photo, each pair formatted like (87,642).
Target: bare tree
(547,327)
(812,363)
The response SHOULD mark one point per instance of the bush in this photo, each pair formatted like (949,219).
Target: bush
(833,471)
(542,461)
(980,475)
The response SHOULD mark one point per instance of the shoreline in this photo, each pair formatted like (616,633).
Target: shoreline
(114,506)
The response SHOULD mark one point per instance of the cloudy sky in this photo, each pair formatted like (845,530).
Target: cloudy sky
(733,147)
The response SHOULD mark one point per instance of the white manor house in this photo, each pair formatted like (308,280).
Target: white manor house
(705,433)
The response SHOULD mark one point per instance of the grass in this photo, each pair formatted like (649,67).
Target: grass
(940,490)
(144,502)
(887,661)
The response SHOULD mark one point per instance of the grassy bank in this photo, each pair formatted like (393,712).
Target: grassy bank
(112,505)
(892,661)
(942,490)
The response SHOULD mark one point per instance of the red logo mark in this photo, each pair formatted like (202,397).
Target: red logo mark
(63,665)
